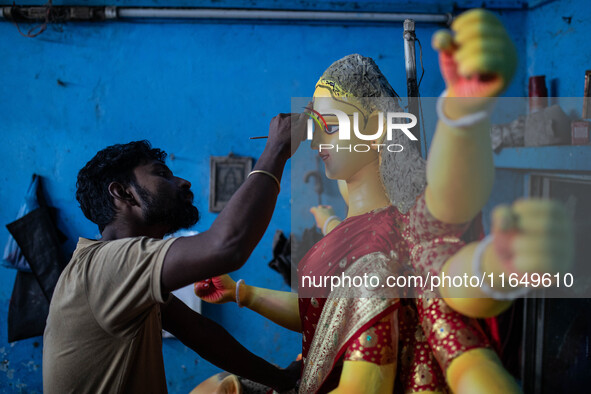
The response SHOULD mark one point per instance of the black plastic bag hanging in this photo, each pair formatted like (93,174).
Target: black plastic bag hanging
(28,308)
(287,252)
(13,257)
(39,240)
(282,257)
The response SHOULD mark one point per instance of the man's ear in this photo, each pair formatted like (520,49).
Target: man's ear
(121,194)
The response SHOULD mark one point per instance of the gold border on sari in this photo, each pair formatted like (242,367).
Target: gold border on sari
(346,311)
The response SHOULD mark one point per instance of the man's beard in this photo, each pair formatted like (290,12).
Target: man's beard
(177,211)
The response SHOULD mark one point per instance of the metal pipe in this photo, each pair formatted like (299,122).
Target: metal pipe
(112,13)
(412,90)
(409,52)
(209,13)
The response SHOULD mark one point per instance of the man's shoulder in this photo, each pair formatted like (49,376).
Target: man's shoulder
(126,252)
(98,262)
(94,251)
(86,246)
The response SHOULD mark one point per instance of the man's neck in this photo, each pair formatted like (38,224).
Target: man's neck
(118,230)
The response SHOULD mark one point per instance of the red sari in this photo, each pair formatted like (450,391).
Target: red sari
(361,243)
(347,324)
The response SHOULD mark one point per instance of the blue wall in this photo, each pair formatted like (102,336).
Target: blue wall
(559,46)
(195,90)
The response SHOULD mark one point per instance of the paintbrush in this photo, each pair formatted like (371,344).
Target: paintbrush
(266,136)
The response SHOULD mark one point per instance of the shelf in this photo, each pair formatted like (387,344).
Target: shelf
(561,158)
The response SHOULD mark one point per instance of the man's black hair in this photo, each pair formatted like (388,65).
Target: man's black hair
(112,164)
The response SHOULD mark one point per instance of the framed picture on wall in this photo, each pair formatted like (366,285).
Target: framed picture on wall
(227,173)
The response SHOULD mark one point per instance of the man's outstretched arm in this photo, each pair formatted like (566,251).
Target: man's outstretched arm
(216,345)
(226,246)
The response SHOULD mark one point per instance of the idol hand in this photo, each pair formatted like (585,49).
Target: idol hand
(478,60)
(321,214)
(217,290)
(287,131)
(533,235)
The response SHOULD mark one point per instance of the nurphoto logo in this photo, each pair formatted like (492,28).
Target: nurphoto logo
(394,122)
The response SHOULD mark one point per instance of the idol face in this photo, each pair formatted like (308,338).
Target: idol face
(343,159)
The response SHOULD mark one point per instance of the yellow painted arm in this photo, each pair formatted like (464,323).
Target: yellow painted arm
(477,61)
(332,224)
(531,236)
(460,172)
(280,307)
(366,378)
(322,213)
(471,301)
(479,371)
